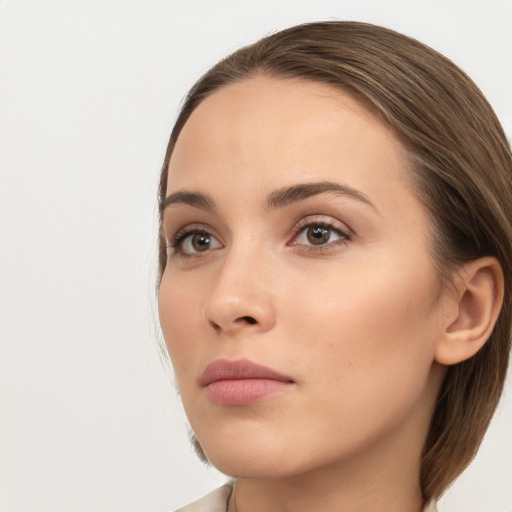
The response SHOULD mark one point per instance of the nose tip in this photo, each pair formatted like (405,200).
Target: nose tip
(231,308)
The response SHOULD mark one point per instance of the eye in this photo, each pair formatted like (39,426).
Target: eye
(192,242)
(318,234)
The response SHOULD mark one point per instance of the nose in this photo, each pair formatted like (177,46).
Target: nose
(241,298)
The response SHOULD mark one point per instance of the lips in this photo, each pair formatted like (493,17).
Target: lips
(241,382)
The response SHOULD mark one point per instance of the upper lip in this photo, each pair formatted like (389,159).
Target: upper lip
(225,369)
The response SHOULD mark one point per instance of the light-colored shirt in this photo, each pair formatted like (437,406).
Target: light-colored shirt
(217,501)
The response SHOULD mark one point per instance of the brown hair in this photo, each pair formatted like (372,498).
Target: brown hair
(461,167)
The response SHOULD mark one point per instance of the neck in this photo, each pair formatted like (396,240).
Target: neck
(314,493)
(385,478)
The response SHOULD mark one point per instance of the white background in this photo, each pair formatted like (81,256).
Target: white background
(88,93)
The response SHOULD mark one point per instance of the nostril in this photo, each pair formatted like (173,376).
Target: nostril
(248,319)
(216,327)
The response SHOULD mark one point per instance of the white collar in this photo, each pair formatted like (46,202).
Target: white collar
(217,501)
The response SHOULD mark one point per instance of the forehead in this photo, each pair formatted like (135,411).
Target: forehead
(264,133)
(265,112)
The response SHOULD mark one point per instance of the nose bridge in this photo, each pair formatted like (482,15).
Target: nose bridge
(241,295)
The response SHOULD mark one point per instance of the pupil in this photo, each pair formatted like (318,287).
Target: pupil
(318,235)
(201,242)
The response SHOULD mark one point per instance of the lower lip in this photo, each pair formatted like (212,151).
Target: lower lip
(244,391)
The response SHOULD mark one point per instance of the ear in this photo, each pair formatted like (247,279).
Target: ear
(479,286)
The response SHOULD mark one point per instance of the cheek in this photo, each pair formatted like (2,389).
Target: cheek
(369,330)
(180,313)
(366,358)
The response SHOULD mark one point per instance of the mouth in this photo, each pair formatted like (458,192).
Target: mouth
(241,382)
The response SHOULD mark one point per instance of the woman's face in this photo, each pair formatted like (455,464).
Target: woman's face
(297,244)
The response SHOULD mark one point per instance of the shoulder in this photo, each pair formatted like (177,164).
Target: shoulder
(216,501)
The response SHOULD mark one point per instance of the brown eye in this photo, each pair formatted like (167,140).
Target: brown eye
(318,235)
(200,242)
(195,242)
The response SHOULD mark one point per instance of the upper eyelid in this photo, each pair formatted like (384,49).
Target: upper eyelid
(322,219)
(185,216)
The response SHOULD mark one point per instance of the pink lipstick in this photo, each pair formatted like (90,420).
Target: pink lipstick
(241,382)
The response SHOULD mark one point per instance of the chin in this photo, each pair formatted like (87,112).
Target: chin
(250,466)
(247,458)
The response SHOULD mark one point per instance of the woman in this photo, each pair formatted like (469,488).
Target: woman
(335,288)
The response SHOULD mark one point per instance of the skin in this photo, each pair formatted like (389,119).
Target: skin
(354,321)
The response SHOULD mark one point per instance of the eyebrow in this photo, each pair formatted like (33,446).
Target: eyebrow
(276,199)
(196,199)
(285,196)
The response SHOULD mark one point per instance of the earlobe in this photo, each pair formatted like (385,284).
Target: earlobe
(478,302)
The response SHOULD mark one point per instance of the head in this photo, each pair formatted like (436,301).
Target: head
(448,168)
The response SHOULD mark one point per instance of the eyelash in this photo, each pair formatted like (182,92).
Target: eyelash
(182,235)
(326,223)
(329,224)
